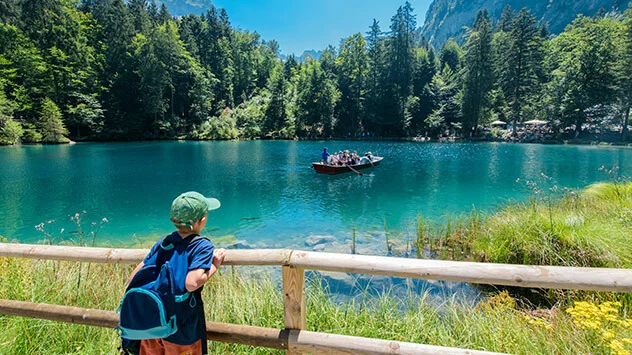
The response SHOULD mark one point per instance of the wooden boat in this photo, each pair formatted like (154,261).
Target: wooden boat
(338,169)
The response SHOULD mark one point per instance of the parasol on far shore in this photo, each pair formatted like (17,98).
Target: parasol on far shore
(535,122)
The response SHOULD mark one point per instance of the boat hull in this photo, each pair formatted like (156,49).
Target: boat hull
(332,170)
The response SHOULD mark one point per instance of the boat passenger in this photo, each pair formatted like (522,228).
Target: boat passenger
(325,156)
(367,158)
(355,159)
(342,158)
(334,160)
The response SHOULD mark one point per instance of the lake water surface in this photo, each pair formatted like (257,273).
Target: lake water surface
(269,192)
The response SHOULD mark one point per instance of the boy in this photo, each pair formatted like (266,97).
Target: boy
(189,213)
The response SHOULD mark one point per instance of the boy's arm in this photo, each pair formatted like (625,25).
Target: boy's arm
(198,277)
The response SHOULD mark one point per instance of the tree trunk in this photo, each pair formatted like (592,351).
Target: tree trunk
(624,131)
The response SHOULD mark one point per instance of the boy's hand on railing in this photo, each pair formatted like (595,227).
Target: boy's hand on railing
(218,257)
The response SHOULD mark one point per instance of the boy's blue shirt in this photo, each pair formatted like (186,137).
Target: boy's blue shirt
(200,256)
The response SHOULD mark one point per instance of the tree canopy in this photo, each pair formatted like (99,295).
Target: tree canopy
(128,70)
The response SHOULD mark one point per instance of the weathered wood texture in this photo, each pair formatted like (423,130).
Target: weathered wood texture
(333,344)
(294,301)
(595,279)
(294,297)
(263,257)
(557,277)
(223,332)
(294,340)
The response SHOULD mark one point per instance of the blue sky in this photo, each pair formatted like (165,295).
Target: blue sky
(303,24)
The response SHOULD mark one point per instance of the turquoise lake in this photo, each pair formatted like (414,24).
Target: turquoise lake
(270,195)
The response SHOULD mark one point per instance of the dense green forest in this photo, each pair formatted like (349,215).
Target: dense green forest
(115,70)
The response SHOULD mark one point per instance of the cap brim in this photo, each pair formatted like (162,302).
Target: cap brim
(212,203)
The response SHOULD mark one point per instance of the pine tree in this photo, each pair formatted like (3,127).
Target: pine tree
(625,72)
(375,77)
(425,70)
(505,23)
(50,124)
(10,12)
(276,113)
(163,15)
(401,46)
(352,63)
(290,66)
(140,16)
(520,75)
(450,55)
(478,78)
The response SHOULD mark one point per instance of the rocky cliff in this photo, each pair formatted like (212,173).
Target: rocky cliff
(447,18)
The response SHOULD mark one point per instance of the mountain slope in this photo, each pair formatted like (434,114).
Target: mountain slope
(446,18)
(185,7)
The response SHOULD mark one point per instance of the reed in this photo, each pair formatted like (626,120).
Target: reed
(389,245)
(353,241)
(420,240)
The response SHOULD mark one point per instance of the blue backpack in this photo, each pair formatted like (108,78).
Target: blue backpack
(155,294)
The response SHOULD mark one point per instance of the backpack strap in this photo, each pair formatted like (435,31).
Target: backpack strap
(201,315)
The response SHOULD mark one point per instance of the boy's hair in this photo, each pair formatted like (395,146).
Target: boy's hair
(187,228)
(183,229)
(189,208)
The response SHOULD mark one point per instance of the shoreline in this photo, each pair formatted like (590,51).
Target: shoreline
(448,140)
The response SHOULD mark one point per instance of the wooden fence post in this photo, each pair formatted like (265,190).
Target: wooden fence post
(294,300)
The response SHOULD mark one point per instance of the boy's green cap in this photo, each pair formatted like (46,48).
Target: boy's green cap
(190,207)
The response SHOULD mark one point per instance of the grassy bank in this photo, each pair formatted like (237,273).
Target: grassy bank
(587,228)
(494,324)
(590,228)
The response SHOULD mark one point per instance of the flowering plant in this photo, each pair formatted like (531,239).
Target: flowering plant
(605,322)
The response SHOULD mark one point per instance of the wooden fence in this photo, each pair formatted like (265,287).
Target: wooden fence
(294,338)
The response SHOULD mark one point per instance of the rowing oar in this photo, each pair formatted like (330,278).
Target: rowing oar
(354,170)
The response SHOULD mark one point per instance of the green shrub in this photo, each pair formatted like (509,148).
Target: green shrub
(31,134)
(10,132)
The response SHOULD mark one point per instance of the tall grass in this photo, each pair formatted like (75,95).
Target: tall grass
(590,229)
(494,325)
(587,229)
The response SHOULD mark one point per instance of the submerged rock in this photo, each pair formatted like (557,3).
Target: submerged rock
(319,239)
(239,244)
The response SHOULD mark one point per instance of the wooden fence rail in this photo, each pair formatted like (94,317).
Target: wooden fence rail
(558,277)
(294,338)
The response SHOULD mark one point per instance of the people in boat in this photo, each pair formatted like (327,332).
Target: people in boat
(334,160)
(347,157)
(325,155)
(355,159)
(341,158)
(367,158)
